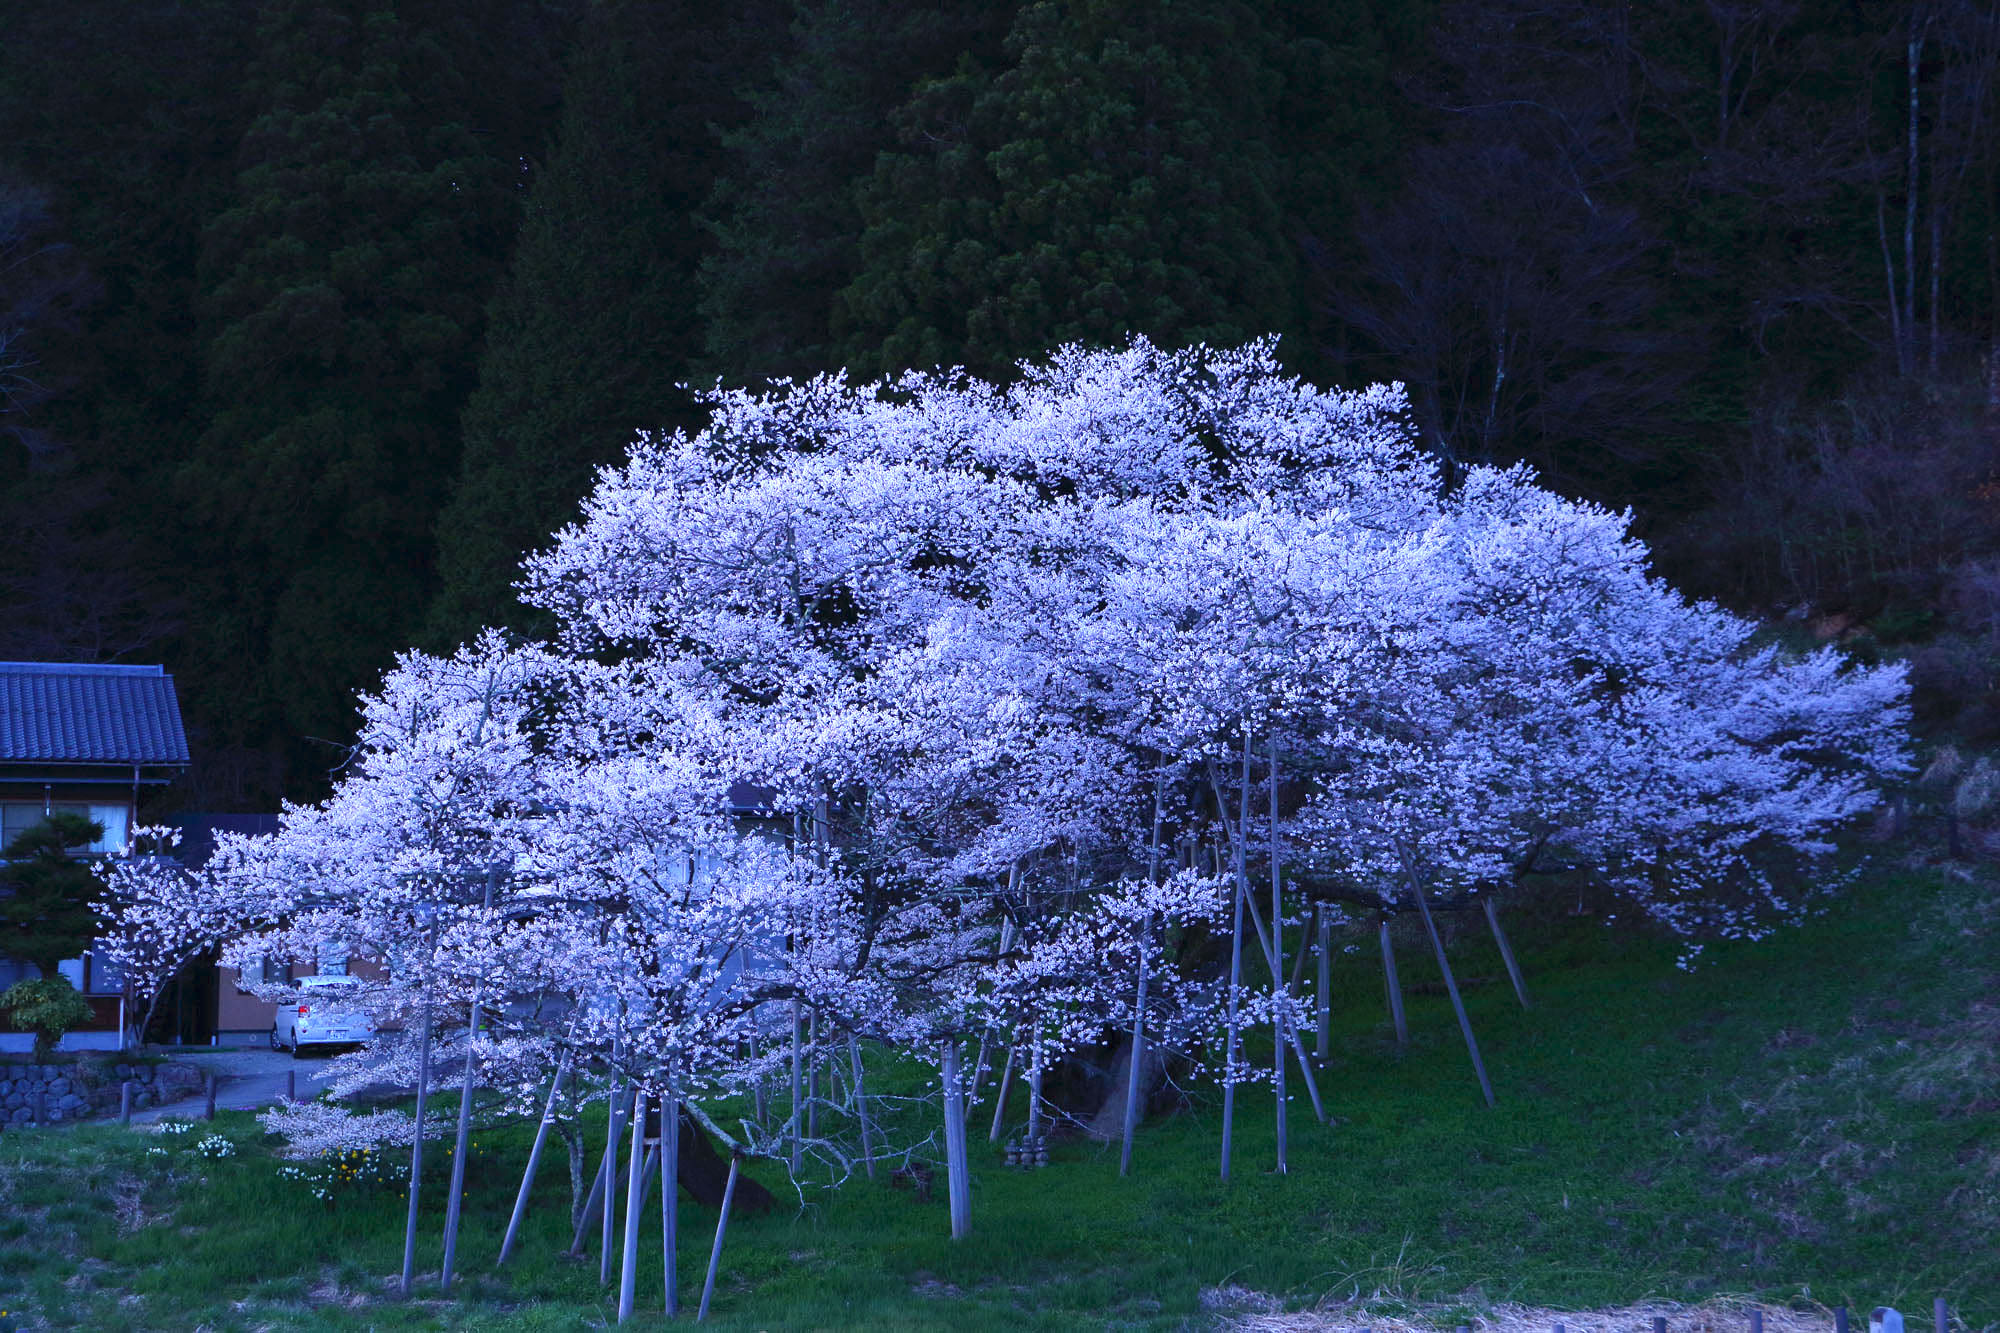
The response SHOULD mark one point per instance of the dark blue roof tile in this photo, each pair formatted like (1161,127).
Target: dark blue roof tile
(74,713)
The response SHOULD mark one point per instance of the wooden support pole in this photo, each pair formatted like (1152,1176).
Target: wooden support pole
(670,1198)
(125,1102)
(1450,982)
(1239,858)
(1133,1075)
(812,1076)
(453,1204)
(628,1259)
(1290,1032)
(861,1106)
(614,1124)
(588,1216)
(798,1124)
(417,1145)
(208,1102)
(985,1037)
(721,1225)
(534,1160)
(1506,953)
(1000,1097)
(1323,981)
(1280,1022)
(1035,1086)
(958,1187)
(1389,980)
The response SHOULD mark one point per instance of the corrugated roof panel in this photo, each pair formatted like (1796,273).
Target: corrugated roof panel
(64,712)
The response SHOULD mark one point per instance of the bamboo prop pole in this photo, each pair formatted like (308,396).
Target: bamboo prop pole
(1389,980)
(958,1187)
(453,1204)
(628,1259)
(417,1140)
(861,1106)
(1323,982)
(721,1225)
(670,1197)
(534,1161)
(1506,953)
(1000,1097)
(1280,1020)
(1299,961)
(1450,982)
(1235,959)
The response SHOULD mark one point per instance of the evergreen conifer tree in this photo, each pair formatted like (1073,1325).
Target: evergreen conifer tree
(45,893)
(343,293)
(785,215)
(590,334)
(1129,170)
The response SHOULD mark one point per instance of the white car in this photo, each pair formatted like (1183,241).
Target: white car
(324,1016)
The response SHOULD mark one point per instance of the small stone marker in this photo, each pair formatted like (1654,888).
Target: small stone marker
(1940,1316)
(125,1102)
(1756,1321)
(1883,1319)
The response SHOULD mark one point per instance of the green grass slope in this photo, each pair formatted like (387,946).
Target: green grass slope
(1816,1117)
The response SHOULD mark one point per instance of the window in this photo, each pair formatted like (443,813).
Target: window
(17,817)
(276,970)
(333,960)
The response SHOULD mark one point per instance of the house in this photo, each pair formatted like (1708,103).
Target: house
(87,739)
(207,1004)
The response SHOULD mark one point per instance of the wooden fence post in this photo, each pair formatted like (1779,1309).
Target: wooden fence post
(208,1106)
(125,1102)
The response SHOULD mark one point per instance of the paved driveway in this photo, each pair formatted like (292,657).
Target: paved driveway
(246,1080)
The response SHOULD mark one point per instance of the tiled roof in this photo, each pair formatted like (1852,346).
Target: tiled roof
(72,713)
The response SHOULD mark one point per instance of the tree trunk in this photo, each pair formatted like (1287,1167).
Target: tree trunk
(1107,1121)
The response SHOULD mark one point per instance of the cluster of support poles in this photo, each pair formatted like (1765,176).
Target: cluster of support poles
(665,1151)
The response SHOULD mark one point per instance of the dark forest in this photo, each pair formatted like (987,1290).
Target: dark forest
(315,314)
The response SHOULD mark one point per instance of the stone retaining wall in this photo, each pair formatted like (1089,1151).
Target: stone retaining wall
(83,1089)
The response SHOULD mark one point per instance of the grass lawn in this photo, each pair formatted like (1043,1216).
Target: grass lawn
(1814,1117)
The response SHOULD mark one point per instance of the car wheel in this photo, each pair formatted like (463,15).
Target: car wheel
(275,1045)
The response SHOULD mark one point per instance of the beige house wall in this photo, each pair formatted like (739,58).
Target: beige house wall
(239,1013)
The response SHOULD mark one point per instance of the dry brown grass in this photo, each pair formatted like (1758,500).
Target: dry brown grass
(1720,1314)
